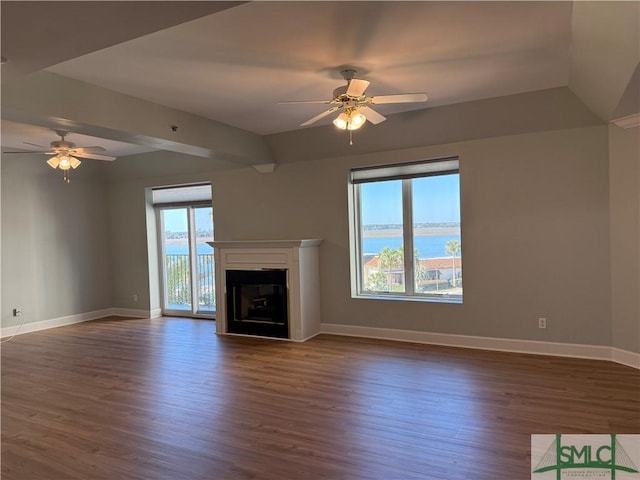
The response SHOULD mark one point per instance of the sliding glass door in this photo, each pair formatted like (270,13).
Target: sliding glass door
(187,260)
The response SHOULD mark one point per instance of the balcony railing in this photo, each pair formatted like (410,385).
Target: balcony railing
(178,278)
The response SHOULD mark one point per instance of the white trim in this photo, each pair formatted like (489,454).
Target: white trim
(594,352)
(303,243)
(625,357)
(129,312)
(630,121)
(308,338)
(53,323)
(281,339)
(265,167)
(70,320)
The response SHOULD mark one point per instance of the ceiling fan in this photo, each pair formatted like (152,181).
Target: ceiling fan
(351,100)
(65,153)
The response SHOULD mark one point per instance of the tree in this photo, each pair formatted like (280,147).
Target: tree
(419,272)
(452,248)
(377,282)
(178,280)
(388,259)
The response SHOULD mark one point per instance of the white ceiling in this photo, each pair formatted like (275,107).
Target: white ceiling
(234,61)
(15,134)
(236,65)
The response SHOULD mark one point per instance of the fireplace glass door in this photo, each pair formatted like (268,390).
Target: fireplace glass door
(257,302)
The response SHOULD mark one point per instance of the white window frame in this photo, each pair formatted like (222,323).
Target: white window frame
(405,172)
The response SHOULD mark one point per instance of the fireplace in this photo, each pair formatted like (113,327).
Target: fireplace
(268,288)
(257,302)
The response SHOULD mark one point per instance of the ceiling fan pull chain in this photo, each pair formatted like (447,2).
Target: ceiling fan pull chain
(350,137)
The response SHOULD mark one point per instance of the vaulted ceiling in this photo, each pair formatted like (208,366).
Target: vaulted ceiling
(231,63)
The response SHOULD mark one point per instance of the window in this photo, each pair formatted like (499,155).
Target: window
(405,231)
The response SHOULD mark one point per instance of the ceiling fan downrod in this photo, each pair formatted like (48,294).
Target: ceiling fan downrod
(348,74)
(61,133)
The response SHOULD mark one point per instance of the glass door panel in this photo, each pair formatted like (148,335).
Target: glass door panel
(176,260)
(204,293)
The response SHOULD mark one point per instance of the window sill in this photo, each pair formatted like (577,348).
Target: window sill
(409,298)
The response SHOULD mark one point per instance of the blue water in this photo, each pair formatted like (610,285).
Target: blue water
(428,246)
(183,249)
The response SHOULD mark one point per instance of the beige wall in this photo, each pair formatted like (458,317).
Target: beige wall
(535,234)
(551,109)
(540,237)
(134,254)
(55,240)
(624,173)
(129,251)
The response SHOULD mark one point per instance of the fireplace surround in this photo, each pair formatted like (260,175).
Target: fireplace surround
(258,279)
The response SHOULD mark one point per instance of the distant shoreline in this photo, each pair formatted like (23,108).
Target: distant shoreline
(365,234)
(180,241)
(398,233)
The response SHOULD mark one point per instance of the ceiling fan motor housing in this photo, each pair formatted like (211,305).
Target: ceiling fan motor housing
(63,145)
(352,99)
(338,92)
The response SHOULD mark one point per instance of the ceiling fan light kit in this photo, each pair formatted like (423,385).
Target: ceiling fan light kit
(353,102)
(65,154)
(350,120)
(64,162)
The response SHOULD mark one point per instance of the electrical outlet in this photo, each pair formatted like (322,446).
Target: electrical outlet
(17,312)
(134,297)
(542,322)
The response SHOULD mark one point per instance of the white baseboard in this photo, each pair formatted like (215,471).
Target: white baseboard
(594,352)
(130,312)
(625,357)
(53,323)
(70,320)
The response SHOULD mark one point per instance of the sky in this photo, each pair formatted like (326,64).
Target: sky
(175,219)
(435,199)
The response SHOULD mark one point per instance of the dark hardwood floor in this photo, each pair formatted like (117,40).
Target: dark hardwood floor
(168,399)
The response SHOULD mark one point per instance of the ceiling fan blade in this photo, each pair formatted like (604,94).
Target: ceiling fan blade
(89,149)
(357,87)
(294,102)
(399,98)
(30,152)
(319,116)
(373,116)
(93,156)
(35,145)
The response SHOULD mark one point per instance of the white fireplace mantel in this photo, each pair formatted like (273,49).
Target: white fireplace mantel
(266,243)
(301,260)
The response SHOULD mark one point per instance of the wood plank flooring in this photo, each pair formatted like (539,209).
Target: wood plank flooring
(168,399)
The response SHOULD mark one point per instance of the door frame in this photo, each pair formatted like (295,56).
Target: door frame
(191,241)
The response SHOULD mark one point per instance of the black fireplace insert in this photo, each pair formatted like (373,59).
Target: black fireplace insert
(257,302)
